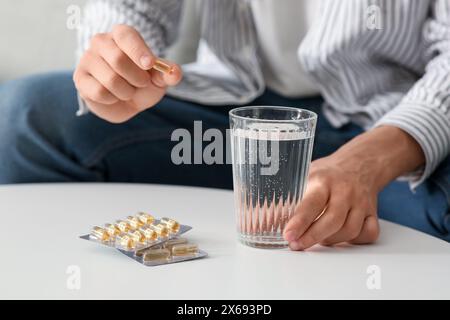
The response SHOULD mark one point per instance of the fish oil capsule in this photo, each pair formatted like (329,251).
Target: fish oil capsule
(126,241)
(141,253)
(123,226)
(173,242)
(156,255)
(145,218)
(163,67)
(184,249)
(160,229)
(112,229)
(134,222)
(100,233)
(137,236)
(173,225)
(149,233)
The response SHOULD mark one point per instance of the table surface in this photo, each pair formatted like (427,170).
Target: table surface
(40,245)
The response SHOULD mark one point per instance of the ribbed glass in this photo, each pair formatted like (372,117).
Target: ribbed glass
(271,152)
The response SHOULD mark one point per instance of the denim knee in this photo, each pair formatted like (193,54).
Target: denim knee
(28,124)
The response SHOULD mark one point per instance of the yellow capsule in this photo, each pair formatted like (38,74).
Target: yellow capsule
(100,234)
(163,67)
(145,218)
(173,225)
(137,236)
(160,229)
(184,249)
(149,233)
(173,242)
(141,253)
(123,226)
(112,229)
(134,222)
(156,255)
(126,241)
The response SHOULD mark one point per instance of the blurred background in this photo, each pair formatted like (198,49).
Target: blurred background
(35,37)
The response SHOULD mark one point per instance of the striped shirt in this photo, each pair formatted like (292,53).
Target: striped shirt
(376,62)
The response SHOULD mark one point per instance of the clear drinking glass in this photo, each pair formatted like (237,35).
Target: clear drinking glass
(271,152)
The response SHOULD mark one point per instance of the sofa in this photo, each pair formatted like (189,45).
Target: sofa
(35,37)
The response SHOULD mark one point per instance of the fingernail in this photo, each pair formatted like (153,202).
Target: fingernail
(146,62)
(289,236)
(296,245)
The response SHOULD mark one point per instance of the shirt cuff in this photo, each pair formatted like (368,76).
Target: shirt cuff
(430,127)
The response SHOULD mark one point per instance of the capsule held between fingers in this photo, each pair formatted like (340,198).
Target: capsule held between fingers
(163,67)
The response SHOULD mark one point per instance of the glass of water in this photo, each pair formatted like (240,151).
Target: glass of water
(271,152)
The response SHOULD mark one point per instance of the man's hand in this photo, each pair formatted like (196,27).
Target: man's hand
(115,76)
(347,195)
(340,202)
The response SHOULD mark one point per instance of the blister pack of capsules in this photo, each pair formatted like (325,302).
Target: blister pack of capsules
(171,251)
(149,241)
(137,232)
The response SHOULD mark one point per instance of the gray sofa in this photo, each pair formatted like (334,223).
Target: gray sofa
(35,38)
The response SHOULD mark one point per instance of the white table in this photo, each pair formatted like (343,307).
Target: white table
(39,241)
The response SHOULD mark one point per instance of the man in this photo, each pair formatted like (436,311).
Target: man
(386,114)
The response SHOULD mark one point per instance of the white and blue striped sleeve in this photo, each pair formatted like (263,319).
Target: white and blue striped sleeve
(156,20)
(424,112)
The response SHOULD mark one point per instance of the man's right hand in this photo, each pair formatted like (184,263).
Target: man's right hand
(115,76)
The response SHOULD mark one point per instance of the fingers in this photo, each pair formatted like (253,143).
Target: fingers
(115,76)
(120,111)
(134,46)
(350,230)
(148,97)
(105,47)
(124,52)
(157,78)
(112,81)
(311,206)
(370,231)
(329,223)
(115,113)
(90,88)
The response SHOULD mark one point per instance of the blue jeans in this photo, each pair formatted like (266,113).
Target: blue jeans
(42,140)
